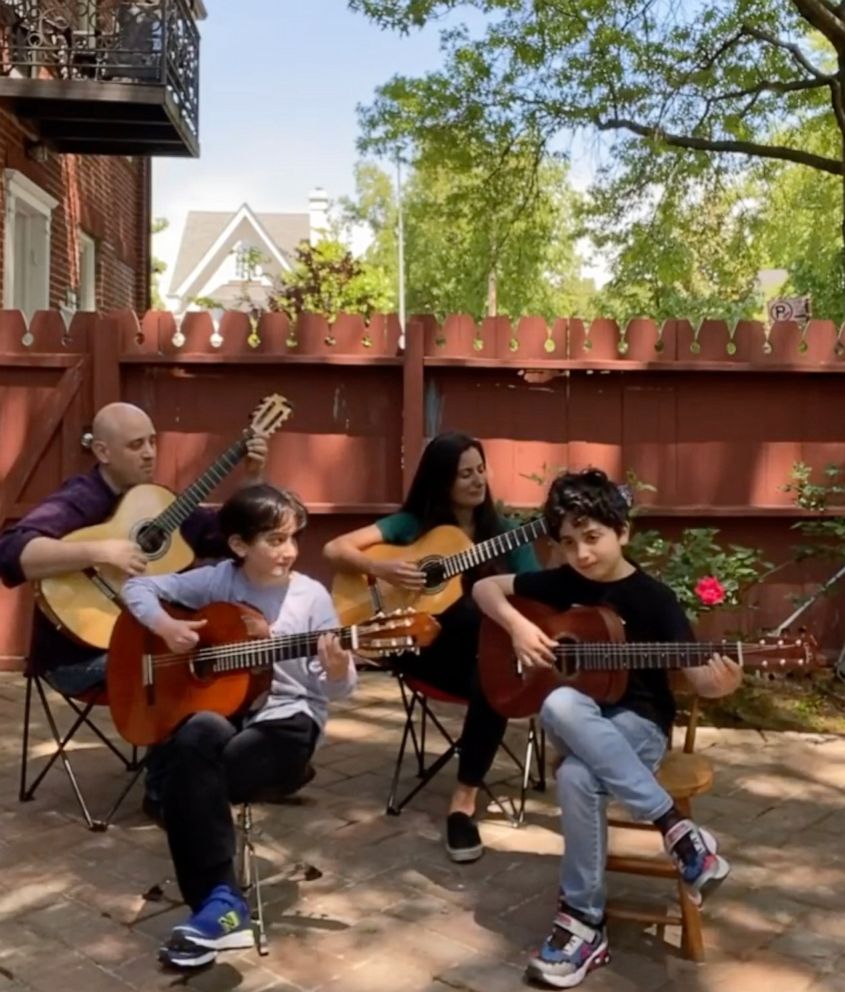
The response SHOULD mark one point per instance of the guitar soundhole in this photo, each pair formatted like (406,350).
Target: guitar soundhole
(435,573)
(152,540)
(565,663)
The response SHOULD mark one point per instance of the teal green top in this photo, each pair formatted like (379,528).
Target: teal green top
(404,528)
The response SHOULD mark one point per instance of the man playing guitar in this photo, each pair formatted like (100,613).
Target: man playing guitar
(124,444)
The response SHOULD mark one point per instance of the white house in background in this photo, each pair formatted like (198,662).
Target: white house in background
(236,258)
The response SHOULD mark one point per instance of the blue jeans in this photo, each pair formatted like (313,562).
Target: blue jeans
(609,751)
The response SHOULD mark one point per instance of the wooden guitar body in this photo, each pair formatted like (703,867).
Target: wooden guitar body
(517,695)
(145,713)
(353,597)
(82,608)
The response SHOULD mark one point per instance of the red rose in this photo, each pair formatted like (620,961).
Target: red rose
(710,591)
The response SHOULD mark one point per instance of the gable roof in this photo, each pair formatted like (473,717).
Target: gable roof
(204,229)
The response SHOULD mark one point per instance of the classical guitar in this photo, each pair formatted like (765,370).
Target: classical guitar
(86,604)
(443,554)
(151,691)
(591,655)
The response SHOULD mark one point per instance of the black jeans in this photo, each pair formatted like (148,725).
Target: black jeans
(451,664)
(210,764)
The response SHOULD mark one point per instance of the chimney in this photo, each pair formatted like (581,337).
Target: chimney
(318,214)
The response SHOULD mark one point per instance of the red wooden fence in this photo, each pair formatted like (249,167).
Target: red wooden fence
(713,419)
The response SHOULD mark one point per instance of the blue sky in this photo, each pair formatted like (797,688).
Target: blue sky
(280,80)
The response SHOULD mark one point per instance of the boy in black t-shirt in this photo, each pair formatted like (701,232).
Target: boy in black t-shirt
(610,750)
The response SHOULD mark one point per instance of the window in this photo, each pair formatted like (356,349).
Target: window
(26,268)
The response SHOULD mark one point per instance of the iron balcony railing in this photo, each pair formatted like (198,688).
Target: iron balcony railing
(143,42)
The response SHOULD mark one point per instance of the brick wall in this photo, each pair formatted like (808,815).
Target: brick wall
(107,197)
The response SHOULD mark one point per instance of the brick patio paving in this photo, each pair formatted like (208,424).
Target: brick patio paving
(362,901)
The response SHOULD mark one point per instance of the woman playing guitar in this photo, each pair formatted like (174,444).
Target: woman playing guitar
(449,487)
(611,749)
(210,762)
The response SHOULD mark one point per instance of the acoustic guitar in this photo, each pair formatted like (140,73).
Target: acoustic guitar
(443,555)
(85,605)
(592,656)
(151,691)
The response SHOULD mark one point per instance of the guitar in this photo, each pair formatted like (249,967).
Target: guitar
(443,554)
(151,690)
(86,604)
(592,656)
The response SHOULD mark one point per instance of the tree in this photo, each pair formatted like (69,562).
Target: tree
(157,266)
(472,245)
(801,212)
(697,83)
(694,253)
(326,279)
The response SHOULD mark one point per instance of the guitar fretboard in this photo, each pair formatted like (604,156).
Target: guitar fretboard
(183,506)
(598,656)
(258,654)
(494,547)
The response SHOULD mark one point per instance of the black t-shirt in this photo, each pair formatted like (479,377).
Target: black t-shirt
(651,612)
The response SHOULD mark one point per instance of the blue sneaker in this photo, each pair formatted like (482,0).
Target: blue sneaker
(570,952)
(693,850)
(222,923)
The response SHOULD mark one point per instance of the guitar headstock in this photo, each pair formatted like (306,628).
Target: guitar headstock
(395,633)
(269,415)
(775,653)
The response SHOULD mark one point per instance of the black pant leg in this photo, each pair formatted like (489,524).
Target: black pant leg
(451,664)
(209,766)
(196,809)
(272,753)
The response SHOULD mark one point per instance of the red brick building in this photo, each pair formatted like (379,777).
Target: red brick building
(89,90)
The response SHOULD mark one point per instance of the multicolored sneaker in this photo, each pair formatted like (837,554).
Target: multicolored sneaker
(221,923)
(570,952)
(693,850)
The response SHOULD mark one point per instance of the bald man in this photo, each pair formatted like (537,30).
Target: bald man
(124,444)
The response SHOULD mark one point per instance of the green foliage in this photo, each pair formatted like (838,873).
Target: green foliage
(801,223)
(327,279)
(693,253)
(825,535)
(697,555)
(472,244)
(680,103)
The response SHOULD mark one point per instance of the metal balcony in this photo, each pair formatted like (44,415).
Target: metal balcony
(103,77)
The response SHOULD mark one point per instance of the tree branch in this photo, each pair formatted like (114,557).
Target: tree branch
(787,46)
(824,19)
(775,86)
(821,162)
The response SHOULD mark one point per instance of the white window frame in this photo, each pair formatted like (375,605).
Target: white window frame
(21,190)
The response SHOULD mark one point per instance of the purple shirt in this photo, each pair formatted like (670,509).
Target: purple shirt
(82,501)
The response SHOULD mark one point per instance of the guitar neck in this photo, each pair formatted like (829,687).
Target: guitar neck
(184,505)
(265,652)
(643,656)
(494,547)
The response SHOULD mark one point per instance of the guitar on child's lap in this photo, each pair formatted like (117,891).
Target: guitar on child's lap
(443,554)
(592,656)
(86,604)
(151,690)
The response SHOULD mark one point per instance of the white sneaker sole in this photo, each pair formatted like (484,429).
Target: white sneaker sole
(237,940)
(463,855)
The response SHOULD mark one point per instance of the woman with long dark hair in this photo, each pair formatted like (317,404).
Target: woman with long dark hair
(449,487)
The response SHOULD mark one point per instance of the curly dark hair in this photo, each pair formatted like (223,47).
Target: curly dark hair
(588,494)
(257,509)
